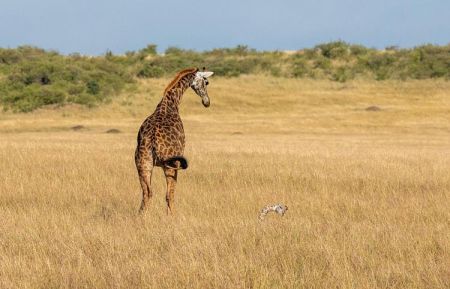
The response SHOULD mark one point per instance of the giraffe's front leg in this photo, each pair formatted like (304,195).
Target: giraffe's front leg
(171,179)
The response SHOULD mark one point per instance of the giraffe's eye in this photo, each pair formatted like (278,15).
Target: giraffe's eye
(206,82)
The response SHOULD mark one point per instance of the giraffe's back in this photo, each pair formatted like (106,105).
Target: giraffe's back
(162,135)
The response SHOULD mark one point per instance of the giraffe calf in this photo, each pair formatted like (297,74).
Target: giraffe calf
(280,209)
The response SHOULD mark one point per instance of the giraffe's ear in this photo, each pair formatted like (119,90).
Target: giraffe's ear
(205,74)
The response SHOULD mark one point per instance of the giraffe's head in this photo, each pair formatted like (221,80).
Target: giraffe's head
(199,85)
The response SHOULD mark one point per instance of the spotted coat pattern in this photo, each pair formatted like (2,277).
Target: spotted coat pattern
(161,136)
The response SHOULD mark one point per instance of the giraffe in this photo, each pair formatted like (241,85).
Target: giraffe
(160,140)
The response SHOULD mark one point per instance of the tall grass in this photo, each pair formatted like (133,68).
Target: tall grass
(368,192)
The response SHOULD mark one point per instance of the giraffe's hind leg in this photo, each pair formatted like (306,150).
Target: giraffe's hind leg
(171,179)
(144,165)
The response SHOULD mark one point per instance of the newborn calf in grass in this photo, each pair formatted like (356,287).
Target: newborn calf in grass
(280,209)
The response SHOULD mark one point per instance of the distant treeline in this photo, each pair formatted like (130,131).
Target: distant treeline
(31,77)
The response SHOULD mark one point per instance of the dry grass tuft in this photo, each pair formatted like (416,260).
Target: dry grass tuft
(368,193)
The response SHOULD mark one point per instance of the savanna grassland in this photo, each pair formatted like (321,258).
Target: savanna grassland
(368,191)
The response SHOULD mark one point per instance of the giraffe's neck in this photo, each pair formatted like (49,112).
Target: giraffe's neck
(172,96)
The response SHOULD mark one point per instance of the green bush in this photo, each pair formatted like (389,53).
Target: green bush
(93,87)
(333,50)
(299,68)
(37,78)
(175,51)
(150,70)
(322,63)
(342,74)
(358,50)
(149,50)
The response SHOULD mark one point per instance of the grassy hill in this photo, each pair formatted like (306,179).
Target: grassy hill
(31,77)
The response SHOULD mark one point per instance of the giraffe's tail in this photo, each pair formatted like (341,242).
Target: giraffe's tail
(172,163)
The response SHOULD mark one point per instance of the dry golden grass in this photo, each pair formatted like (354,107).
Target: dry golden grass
(368,192)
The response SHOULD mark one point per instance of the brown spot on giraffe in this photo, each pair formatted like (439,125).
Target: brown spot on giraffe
(160,140)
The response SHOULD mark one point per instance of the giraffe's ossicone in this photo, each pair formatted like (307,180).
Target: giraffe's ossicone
(160,140)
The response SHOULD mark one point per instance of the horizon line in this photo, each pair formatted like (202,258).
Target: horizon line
(161,52)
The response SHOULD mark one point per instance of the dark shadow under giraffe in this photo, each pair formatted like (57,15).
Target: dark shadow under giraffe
(160,140)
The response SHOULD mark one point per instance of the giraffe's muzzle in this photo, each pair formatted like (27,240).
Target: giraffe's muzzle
(205,101)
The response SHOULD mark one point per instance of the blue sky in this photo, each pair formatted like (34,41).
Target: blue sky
(95,26)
